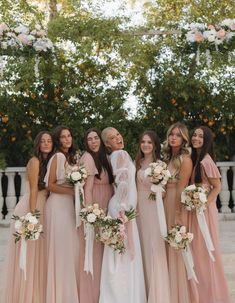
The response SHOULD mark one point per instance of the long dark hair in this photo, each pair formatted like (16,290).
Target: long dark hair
(156,148)
(207,148)
(42,160)
(100,157)
(71,154)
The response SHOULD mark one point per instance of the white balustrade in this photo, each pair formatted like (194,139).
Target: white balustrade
(225,211)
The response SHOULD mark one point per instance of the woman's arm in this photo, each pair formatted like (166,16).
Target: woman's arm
(52,185)
(33,173)
(88,190)
(216,188)
(184,177)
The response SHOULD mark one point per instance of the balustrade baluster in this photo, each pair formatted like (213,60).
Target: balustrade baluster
(11,197)
(224,194)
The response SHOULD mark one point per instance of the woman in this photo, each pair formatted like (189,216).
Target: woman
(32,289)
(98,189)
(122,278)
(61,233)
(177,155)
(212,283)
(152,243)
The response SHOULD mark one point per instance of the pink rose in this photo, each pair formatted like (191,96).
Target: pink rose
(221,33)
(199,37)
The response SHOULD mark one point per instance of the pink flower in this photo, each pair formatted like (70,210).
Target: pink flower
(211,26)
(221,33)
(199,37)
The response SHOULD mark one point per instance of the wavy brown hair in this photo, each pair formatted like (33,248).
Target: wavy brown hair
(156,154)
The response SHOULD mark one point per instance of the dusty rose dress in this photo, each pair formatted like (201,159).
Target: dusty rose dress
(89,288)
(152,244)
(15,288)
(212,283)
(182,290)
(62,242)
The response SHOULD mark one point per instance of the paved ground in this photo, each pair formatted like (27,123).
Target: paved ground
(227,236)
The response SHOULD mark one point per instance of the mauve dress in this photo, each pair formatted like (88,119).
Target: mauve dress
(89,288)
(15,288)
(212,283)
(152,244)
(182,290)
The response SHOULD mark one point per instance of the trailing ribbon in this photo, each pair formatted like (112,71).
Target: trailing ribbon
(89,238)
(188,261)
(23,253)
(131,245)
(158,189)
(78,188)
(205,233)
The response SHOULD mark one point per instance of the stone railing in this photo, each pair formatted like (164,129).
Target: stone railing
(12,187)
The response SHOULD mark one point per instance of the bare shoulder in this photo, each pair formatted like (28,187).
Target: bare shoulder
(186,159)
(33,163)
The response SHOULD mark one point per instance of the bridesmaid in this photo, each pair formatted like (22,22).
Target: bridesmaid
(177,155)
(122,277)
(61,233)
(152,243)
(98,189)
(15,287)
(212,283)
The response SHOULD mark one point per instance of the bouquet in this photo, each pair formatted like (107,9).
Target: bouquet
(112,231)
(194,198)
(178,238)
(92,214)
(27,227)
(76,173)
(158,174)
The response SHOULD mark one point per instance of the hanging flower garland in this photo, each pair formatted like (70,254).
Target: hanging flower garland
(21,38)
(219,37)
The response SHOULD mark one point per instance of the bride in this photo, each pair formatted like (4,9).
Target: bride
(122,277)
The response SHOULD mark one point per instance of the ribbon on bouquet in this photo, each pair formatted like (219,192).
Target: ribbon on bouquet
(188,261)
(89,238)
(23,254)
(205,233)
(131,245)
(158,189)
(78,188)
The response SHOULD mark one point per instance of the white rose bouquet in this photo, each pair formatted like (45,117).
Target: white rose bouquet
(92,214)
(194,198)
(27,227)
(178,237)
(158,174)
(75,174)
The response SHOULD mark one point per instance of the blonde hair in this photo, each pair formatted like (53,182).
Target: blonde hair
(104,136)
(184,149)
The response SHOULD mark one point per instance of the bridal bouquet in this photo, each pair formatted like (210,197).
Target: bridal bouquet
(27,227)
(158,174)
(178,238)
(76,173)
(92,214)
(113,232)
(194,198)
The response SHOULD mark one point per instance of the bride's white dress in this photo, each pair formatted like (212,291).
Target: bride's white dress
(122,277)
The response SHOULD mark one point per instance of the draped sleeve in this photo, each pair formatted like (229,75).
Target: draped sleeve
(124,174)
(60,169)
(209,167)
(89,163)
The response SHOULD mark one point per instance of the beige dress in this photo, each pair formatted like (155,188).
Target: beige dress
(15,288)
(182,290)
(212,283)
(152,244)
(89,288)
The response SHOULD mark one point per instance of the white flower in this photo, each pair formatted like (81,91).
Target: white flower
(3,28)
(33,220)
(22,29)
(190,236)
(203,197)
(96,211)
(147,172)
(178,237)
(191,187)
(36,235)
(75,176)
(18,224)
(91,218)
(182,229)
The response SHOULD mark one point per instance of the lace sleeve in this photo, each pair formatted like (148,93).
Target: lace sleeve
(121,162)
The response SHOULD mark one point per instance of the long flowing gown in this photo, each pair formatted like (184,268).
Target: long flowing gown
(152,244)
(212,283)
(15,288)
(62,242)
(102,191)
(182,290)
(122,276)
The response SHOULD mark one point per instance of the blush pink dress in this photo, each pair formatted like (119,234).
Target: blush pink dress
(15,288)
(62,242)
(212,283)
(182,290)
(89,288)
(152,244)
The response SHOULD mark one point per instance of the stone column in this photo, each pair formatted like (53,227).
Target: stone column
(224,194)
(11,197)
